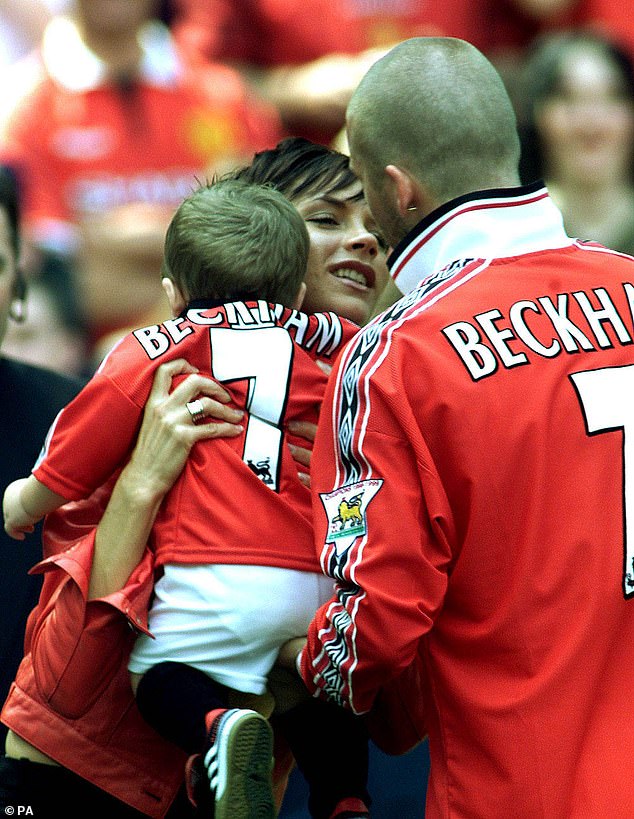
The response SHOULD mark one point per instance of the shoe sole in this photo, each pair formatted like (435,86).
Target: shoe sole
(245,760)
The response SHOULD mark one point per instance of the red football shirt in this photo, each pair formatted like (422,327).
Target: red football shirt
(471,495)
(84,144)
(238,500)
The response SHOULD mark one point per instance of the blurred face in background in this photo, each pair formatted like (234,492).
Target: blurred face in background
(586,125)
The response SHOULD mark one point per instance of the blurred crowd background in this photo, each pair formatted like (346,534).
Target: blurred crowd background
(110,110)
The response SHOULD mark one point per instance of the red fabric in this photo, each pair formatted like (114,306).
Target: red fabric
(612,18)
(82,152)
(252,522)
(72,698)
(79,711)
(280,32)
(266,34)
(486,515)
(262,32)
(396,722)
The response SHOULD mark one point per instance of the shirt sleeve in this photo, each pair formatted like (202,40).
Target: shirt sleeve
(397,721)
(67,631)
(383,530)
(89,440)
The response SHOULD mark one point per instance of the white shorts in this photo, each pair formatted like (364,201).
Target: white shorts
(229,621)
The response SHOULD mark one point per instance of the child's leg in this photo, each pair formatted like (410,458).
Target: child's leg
(174,698)
(229,772)
(330,746)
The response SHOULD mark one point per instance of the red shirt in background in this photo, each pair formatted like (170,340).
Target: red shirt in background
(84,142)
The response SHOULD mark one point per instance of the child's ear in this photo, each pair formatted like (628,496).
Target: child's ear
(299,298)
(175,298)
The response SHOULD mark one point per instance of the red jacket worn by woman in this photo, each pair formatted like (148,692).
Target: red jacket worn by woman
(71,698)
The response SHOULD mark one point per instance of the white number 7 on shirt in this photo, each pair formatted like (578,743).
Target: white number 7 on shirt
(264,356)
(607,400)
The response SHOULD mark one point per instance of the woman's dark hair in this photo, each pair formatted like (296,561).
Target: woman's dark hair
(10,204)
(540,78)
(297,166)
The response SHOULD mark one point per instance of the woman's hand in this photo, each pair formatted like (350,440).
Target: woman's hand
(168,431)
(302,455)
(306,430)
(167,434)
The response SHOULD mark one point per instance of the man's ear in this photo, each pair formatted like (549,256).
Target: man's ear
(408,194)
(299,298)
(175,298)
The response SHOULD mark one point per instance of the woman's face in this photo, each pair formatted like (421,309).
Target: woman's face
(346,262)
(7,272)
(586,126)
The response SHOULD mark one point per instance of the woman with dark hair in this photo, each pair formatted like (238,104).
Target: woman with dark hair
(82,713)
(576,113)
(343,273)
(325,191)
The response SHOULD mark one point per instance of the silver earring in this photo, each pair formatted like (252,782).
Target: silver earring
(413,207)
(17,310)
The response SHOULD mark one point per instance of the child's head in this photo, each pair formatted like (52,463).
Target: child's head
(231,240)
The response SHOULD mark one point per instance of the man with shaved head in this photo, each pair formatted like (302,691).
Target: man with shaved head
(434,115)
(469,470)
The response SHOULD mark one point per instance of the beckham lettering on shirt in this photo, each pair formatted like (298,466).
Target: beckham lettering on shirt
(574,322)
(324,334)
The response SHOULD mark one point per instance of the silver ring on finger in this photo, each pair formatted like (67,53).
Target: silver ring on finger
(196,410)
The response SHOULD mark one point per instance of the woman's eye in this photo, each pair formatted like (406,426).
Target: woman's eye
(323,220)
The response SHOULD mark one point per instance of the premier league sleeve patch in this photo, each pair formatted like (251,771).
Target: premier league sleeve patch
(346,512)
